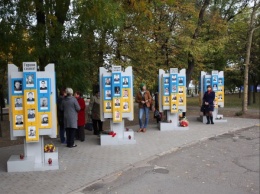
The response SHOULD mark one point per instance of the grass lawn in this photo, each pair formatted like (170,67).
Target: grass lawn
(231,101)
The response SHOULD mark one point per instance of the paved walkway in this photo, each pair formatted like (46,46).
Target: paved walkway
(90,162)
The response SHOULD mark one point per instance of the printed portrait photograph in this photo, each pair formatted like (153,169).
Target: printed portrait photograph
(117,90)
(125,93)
(107,82)
(125,81)
(32,131)
(44,103)
(19,120)
(18,103)
(43,86)
(117,102)
(30,97)
(31,114)
(125,106)
(108,105)
(18,86)
(44,119)
(30,80)
(116,78)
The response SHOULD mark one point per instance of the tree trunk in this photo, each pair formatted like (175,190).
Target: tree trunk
(248,50)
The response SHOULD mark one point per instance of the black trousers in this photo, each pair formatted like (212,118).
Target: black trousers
(70,133)
(97,126)
(80,133)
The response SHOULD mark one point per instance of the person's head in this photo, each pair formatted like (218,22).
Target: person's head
(125,92)
(17,84)
(117,114)
(63,92)
(117,100)
(77,94)
(107,80)
(108,103)
(108,91)
(142,86)
(44,101)
(209,88)
(29,78)
(19,118)
(30,94)
(174,105)
(18,100)
(125,79)
(167,98)
(97,94)
(31,111)
(45,119)
(43,84)
(166,80)
(69,91)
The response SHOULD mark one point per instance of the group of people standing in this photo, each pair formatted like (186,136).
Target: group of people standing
(71,116)
(72,108)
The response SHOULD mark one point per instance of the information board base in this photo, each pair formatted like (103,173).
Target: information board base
(165,126)
(121,135)
(35,159)
(172,123)
(127,138)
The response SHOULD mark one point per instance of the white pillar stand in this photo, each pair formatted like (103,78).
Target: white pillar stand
(217,118)
(172,123)
(123,135)
(34,159)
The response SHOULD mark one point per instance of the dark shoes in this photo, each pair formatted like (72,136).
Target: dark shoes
(72,146)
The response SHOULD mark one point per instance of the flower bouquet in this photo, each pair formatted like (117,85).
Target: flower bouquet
(184,122)
(49,148)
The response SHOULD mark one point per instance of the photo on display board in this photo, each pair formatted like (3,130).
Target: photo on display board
(31,114)
(18,103)
(32,132)
(220,89)
(108,94)
(174,97)
(44,120)
(181,90)
(166,81)
(174,88)
(180,100)
(220,97)
(125,106)
(117,90)
(125,82)
(30,97)
(30,80)
(117,102)
(181,81)
(207,82)
(174,78)
(116,78)
(214,78)
(174,107)
(166,91)
(43,86)
(166,101)
(18,88)
(117,115)
(43,103)
(215,87)
(107,82)
(125,93)
(220,82)
(108,106)
(19,120)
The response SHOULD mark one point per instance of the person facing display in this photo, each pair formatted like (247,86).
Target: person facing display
(208,103)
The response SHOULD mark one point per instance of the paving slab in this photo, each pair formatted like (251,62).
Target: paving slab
(90,162)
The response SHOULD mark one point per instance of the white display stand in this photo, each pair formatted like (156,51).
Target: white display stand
(172,122)
(123,134)
(35,159)
(217,118)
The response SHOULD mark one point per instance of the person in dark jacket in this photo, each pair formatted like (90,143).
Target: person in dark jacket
(208,101)
(61,115)
(80,133)
(71,107)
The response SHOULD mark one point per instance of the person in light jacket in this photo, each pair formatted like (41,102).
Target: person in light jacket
(70,107)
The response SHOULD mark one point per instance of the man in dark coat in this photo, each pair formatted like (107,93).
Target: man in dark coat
(208,101)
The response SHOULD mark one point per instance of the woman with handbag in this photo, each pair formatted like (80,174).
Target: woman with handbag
(144,99)
(95,114)
(208,101)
